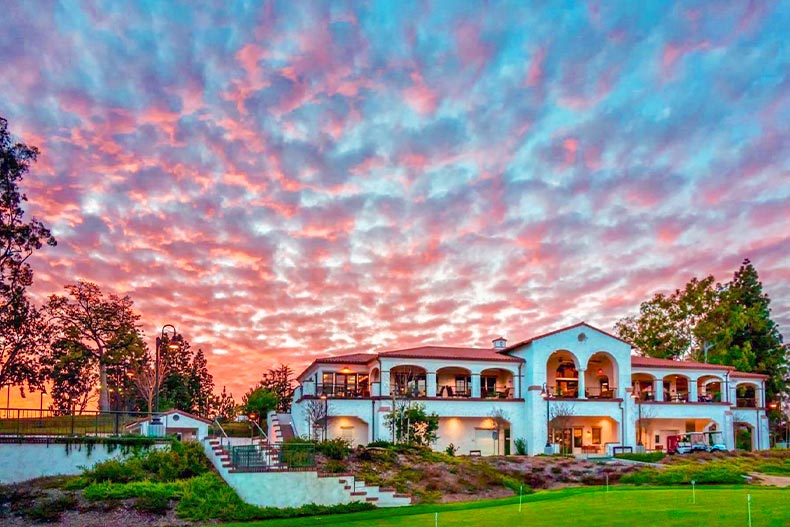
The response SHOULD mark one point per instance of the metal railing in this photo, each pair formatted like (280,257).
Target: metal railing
(282,457)
(25,422)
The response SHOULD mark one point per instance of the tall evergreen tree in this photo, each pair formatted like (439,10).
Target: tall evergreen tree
(22,329)
(742,333)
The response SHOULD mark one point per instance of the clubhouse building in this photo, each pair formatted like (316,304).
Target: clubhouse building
(576,390)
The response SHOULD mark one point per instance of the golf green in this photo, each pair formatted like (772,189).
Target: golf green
(627,506)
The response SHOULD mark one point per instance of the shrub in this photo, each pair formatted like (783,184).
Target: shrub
(451,450)
(648,457)
(137,489)
(521,446)
(50,510)
(337,448)
(379,444)
(177,461)
(335,467)
(154,503)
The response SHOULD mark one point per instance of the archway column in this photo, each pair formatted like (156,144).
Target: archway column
(693,397)
(430,380)
(476,385)
(658,390)
(582,395)
(385,383)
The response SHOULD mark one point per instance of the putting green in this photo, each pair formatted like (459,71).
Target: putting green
(626,506)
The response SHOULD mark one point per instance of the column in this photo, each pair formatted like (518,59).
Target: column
(430,381)
(385,383)
(693,397)
(476,385)
(581,384)
(658,390)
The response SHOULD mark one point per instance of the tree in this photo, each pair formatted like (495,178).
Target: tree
(225,407)
(728,324)
(201,385)
(21,327)
(69,366)
(743,335)
(258,403)
(316,413)
(280,382)
(411,424)
(185,382)
(96,321)
(668,326)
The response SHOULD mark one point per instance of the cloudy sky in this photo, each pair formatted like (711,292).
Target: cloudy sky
(291,179)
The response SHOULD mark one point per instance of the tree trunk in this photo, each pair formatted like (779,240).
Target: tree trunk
(104,392)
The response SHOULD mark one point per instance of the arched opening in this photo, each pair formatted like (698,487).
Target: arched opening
(676,388)
(562,374)
(453,382)
(583,435)
(496,383)
(744,436)
(408,381)
(375,382)
(746,395)
(643,385)
(709,389)
(600,377)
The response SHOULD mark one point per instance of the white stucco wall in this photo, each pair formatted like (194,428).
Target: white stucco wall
(21,462)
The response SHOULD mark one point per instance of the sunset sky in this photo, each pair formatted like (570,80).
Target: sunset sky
(307,178)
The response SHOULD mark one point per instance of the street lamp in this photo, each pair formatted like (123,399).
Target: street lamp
(173,342)
(546,395)
(638,402)
(326,413)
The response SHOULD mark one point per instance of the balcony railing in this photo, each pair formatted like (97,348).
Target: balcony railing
(598,393)
(343,391)
(745,402)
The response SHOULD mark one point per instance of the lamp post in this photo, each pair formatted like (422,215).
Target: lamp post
(638,402)
(172,344)
(546,395)
(326,413)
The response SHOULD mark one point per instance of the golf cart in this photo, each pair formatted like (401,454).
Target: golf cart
(696,442)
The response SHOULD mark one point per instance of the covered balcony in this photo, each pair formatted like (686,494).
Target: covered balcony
(562,375)
(644,387)
(599,377)
(709,389)
(344,384)
(676,388)
(453,382)
(496,383)
(408,381)
(746,395)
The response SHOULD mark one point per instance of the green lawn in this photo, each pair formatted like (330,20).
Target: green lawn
(626,506)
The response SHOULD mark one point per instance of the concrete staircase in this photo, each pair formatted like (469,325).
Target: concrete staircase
(360,491)
(280,427)
(275,486)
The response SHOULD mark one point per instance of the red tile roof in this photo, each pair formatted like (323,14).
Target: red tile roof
(353,358)
(444,353)
(650,362)
(550,333)
(745,375)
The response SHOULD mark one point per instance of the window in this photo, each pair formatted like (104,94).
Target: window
(462,384)
(596,436)
(577,437)
(488,386)
(347,434)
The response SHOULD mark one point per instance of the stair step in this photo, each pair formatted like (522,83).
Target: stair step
(371,498)
(386,489)
(359,493)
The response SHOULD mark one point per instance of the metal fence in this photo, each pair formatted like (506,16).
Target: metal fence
(279,457)
(24,422)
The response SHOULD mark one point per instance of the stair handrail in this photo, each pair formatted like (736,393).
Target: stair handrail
(224,434)
(263,434)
